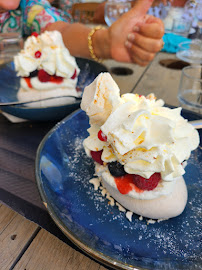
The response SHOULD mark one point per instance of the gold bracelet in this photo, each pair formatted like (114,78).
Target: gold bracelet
(90,43)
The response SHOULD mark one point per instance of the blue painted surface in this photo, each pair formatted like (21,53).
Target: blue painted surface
(63,172)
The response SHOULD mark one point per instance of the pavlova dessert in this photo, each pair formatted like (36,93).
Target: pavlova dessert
(47,70)
(139,148)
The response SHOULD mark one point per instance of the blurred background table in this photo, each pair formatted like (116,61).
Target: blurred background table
(25,245)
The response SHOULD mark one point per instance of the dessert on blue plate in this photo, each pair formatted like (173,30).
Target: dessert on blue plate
(139,148)
(47,70)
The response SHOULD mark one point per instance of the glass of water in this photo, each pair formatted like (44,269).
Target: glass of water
(199,18)
(190,88)
(114,9)
(190,51)
(10,44)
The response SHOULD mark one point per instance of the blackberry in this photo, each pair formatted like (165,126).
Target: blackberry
(116,169)
(33,73)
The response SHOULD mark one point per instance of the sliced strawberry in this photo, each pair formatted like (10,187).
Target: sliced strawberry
(74,75)
(124,183)
(28,81)
(43,76)
(56,79)
(96,156)
(147,184)
(101,136)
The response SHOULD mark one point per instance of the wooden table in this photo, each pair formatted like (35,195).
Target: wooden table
(26,246)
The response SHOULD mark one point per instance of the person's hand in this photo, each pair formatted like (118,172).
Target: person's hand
(141,45)
(145,40)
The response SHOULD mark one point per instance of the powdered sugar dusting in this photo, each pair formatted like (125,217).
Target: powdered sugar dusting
(176,239)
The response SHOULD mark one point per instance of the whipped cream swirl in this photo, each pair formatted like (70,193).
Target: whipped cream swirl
(141,134)
(55,58)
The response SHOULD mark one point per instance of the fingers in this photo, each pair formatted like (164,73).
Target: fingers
(146,43)
(139,56)
(151,30)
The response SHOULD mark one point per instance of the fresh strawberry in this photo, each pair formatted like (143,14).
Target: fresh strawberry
(56,79)
(96,156)
(74,75)
(147,184)
(101,136)
(37,54)
(43,76)
(35,34)
(28,81)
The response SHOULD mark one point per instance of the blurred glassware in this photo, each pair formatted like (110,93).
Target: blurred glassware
(190,51)
(190,89)
(114,9)
(10,45)
(198,15)
(181,26)
(190,10)
(172,12)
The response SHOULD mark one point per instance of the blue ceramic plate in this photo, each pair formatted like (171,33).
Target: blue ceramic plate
(9,85)
(63,172)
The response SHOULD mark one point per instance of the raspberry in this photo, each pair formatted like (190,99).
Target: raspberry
(35,34)
(116,169)
(96,156)
(101,136)
(74,75)
(147,184)
(43,76)
(37,54)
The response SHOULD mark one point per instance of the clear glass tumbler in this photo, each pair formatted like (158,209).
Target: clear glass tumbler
(190,88)
(114,9)
(10,45)
(181,26)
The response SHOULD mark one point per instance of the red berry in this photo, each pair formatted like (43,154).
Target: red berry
(96,156)
(37,54)
(56,79)
(34,34)
(147,184)
(43,76)
(74,75)
(102,136)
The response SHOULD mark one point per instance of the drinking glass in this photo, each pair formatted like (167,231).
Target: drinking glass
(190,88)
(114,9)
(10,45)
(198,14)
(190,51)
(181,26)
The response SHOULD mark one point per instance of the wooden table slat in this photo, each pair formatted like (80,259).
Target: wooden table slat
(49,253)
(6,216)
(16,231)
(161,81)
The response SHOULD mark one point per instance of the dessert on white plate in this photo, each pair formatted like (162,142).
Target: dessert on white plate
(139,148)
(47,70)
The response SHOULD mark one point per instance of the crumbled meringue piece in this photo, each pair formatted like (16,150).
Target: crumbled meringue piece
(95,182)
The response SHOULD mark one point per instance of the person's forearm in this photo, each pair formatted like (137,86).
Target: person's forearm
(75,37)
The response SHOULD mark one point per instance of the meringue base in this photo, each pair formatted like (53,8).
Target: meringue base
(163,207)
(24,95)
